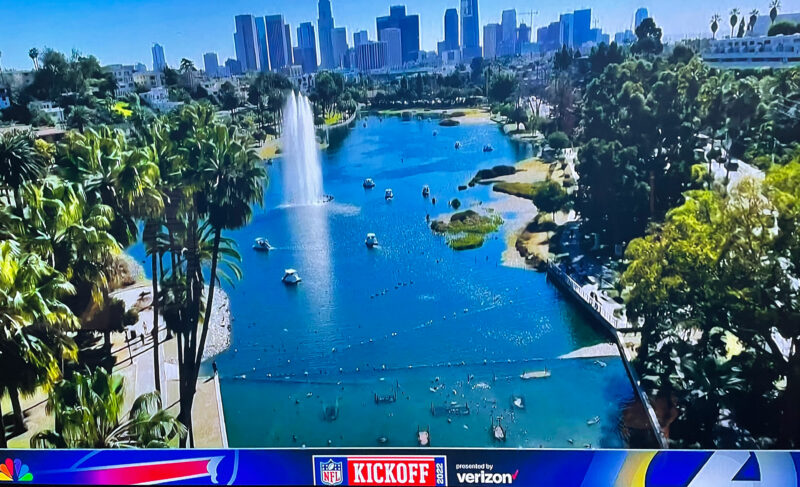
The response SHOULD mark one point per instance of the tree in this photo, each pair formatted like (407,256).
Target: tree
(186,66)
(518,116)
(648,38)
(229,97)
(734,19)
(715,20)
(33,53)
(774,7)
(550,197)
(19,164)
(783,28)
(476,69)
(752,20)
(562,59)
(558,141)
(711,333)
(80,118)
(741,31)
(30,293)
(328,87)
(502,86)
(88,414)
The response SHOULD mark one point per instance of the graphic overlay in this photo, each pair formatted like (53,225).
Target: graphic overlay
(359,467)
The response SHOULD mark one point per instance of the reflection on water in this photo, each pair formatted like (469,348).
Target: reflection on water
(308,232)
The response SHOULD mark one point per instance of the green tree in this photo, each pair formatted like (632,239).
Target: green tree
(774,7)
(734,19)
(648,38)
(502,86)
(328,86)
(558,141)
(550,197)
(80,118)
(715,20)
(33,53)
(19,164)
(88,412)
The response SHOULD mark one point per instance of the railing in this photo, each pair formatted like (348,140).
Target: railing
(591,300)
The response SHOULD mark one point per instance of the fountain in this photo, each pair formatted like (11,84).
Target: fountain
(302,173)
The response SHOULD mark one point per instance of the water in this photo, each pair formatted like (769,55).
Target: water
(302,175)
(400,315)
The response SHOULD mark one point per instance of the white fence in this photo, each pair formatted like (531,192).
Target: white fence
(590,299)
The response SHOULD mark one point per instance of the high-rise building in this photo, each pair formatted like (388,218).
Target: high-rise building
(470,30)
(641,14)
(211,64)
(581,27)
(508,32)
(409,30)
(394,46)
(288,33)
(492,39)
(549,37)
(325,25)
(339,46)
(261,38)
(233,66)
(246,43)
(567,35)
(451,29)
(523,38)
(360,37)
(627,37)
(278,43)
(159,62)
(371,56)
(306,47)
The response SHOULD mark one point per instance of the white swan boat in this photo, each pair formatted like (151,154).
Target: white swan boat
(371,240)
(291,277)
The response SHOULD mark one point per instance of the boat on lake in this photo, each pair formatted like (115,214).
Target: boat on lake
(262,245)
(369,183)
(371,240)
(388,194)
(535,374)
(458,145)
(435,133)
(291,276)
(426,191)
(424,436)
(498,432)
(488,148)
(593,421)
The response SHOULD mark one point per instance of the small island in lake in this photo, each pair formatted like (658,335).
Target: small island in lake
(467,229)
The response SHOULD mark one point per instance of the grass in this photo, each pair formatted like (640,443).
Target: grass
(333,119)
(467,229)
(522,190)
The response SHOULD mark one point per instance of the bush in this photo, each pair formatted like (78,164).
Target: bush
(784,28)
(558,140)
(130,318)
(449,122)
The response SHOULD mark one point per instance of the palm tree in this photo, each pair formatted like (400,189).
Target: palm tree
(20,163)
(753,19)
(33,53)
(30,293)
(742,28)
(715,20)
(79,118)
(186,66)
(88,414)
(774,7)
(734,20)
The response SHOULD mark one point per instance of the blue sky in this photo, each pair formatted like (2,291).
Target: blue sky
(122,31)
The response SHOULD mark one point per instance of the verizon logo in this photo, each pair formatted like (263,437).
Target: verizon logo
(486,478)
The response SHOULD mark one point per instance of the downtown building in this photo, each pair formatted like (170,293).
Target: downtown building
(279,42)
(211,64)
(409,31)
(573,30)
(340,47)
(372,56)
(470,30)
(159,62)
(508,33)
(325,26)
(245,40)
(305,54)
(392,36)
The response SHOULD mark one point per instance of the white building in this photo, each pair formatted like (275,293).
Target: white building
(158,100)
(372,56)
(123,76)
(754,52)
(492,36)
(394,45)
(48,107)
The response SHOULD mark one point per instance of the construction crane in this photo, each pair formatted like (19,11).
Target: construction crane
(532,13)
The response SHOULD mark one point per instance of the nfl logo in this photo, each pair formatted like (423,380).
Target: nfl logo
(331,473)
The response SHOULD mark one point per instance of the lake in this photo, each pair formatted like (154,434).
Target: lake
(411,319)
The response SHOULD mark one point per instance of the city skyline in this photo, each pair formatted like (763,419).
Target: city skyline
(124,32)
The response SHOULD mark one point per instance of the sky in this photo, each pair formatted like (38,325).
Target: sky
(122,31)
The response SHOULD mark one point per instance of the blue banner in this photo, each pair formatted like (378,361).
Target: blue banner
(415,467)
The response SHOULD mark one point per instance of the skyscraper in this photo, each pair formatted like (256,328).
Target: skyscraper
(492,39)
(233,67)
(641,14)
(289,54)
(581,27)
(392,37)
(409,30)
(159,62)
(371,55)
(509,32)
(277,42)
(567,31)
(451,29)
(261,38)
(246,43)
(339,46)
(470,30)
(360,37)
(325,25)
(211,64)
(523,37)
(307,47)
